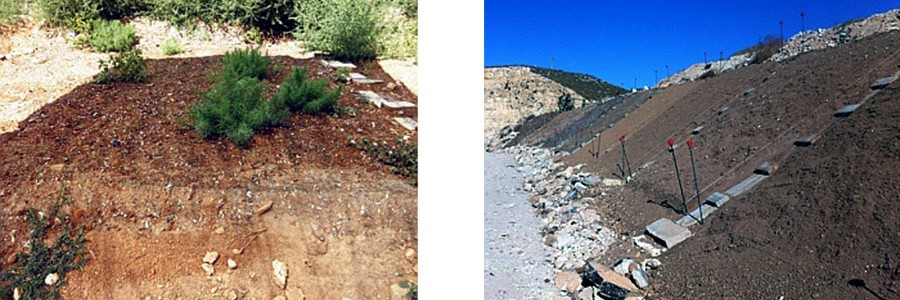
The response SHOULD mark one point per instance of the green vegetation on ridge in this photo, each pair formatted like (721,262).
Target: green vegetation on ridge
(587,86)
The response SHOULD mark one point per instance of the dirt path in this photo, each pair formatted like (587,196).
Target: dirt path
(514,266)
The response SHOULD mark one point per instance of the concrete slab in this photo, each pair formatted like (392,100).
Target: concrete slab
(611,276)
(766,168)
(367,81)
(688,221)
(846,110)
(336,64)
(808,140)
(745,185)
(398,104)
(407,123)
(717,199)
(697,130)
(356,76)
(881,83)
(667,232)
(373,98)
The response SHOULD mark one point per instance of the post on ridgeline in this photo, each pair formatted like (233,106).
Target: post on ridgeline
(667,71)
(690,145)
(655,76)
(781,30)
(678,176)
(705,61)
(597,149)
(802,21)
(625,159)
(721,55)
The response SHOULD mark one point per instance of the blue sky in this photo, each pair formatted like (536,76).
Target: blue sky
(618,41)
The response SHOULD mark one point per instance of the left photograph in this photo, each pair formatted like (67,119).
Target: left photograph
(159,149)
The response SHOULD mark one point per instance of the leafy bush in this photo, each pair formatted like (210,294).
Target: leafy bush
(107,36)
(348,29)
(245,63)
(565,102)
(171,47)
(9,9)
(181,12)
(125,66)
(300,93)
(77,15)
(399,36)
(119,9)
(233,108)
(65,255)
(268,16)
(410,7)
(403,157)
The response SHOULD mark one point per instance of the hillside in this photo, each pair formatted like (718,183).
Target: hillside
(513,93)
(592,88)
(828,216)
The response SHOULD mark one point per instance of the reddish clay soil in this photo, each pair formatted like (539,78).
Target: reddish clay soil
(152,192)
(799,218)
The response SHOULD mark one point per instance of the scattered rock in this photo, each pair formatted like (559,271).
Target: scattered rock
(232,295)
(610,291)
(11,259)
(568,281)
(279,298)
(280,273)
(640,278)
(265,207)
(211,257)
(642,242)
(587,294)
(397,292)
(219,230)
(237,251)
(625,265)
(208,268)
(51,279)
(651,263)
(232,264)
(410,254)
(612,182)
(17,293)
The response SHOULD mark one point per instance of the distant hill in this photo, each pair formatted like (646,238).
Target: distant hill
(513,93)
(587,86)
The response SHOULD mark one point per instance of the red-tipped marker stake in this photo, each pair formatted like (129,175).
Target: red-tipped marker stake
(690,144)
(678,175)
(625,158)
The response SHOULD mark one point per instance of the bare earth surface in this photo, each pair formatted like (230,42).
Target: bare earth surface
(514,255)
(155,197)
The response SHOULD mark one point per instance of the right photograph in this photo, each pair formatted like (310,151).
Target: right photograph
(692,150)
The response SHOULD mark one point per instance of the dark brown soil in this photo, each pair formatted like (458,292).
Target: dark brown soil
(830,215)
(796,236)
(150,190)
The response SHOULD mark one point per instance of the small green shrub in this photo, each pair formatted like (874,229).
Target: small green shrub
(565,102)
(65,255)
(245,63)
(125,66)
(8,10)
(412,292)
(234,108)
(171,47)
(402,157)
(298,92)
(77,15)
(348,29)
(410,7)
(107,36)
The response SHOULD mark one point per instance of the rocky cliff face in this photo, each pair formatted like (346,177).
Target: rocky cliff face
(514,93)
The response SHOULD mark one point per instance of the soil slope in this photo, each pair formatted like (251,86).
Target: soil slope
(156,197)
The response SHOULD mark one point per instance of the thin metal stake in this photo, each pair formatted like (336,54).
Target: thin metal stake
(625,157)
(678,175)
(696,185)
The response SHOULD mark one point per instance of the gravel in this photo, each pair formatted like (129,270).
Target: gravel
(513,254)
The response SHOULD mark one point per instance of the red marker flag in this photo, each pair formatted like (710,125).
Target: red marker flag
(671,143)
(690,143)
(622,138)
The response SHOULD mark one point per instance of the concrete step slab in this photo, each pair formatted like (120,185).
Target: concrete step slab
(766,168)
(373,98)
(367,81)
(808,140)
(407,123)
(398,104)
(717,199)
(336,64)
(697,130)
(846,110)
(356,76)
(881,83)
(689,220)
(667,232)
(745,185)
